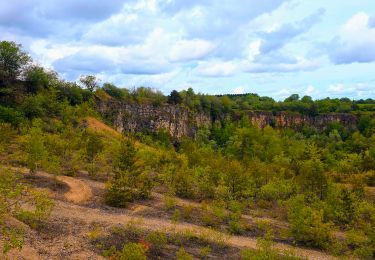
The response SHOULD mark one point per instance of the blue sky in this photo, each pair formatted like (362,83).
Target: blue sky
(272,47)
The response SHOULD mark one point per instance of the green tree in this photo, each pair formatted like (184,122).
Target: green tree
(35,147)
(313,178)
(307,224)
(94,146)
(38,78)
(174,98)
(236,179)
(293,97)
(12,61)
(129,181)
(90,82)
(114,91)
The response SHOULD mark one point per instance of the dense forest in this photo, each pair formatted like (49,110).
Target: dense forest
(305,189)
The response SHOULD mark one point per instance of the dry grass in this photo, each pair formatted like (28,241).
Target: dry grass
(100,127)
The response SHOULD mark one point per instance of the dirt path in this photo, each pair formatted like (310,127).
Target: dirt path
(79,191)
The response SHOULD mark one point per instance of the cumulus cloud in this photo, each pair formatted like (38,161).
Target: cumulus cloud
(224,22)
(355,41)
(277,38)
(336,88)
(294,64)
(148,57)
(358,90)
(40,18)
(187,50)
(310,90)
(216,69)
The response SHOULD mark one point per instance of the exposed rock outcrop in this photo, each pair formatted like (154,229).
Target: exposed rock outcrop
(179,121)
(298,121)
(176,120)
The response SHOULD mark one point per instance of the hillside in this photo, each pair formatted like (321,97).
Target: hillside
(93,171)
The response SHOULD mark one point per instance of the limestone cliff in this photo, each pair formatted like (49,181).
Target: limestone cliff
(179,121)
(176,120)
(298,121)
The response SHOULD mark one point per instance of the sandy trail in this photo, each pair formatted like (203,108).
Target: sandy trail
(79,191)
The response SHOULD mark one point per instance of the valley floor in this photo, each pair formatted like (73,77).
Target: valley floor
(79,210)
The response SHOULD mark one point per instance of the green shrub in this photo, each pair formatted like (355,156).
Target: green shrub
(42,209)
(235,226)
(277,189)
(176,215)
(204,252)
(11,116)
(183,255)
(307,224)
(133,251)
(266,251)
(187,211)
(360,244)
(157,239)
(170,202)
(119,193)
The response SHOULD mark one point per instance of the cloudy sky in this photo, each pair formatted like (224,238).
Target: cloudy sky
(271,47)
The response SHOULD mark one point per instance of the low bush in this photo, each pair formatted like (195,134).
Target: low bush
(133,251)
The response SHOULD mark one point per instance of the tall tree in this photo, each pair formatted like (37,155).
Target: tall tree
(94,146)
(174,98)
(35,148)
(12,61)
(90,82)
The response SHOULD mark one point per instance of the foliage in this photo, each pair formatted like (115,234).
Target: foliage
(94,146)
(35,148)
(12,194)
(307,224)
(133,251)
(129,182)
(10,115)
(12,60)
(183,255)
(90,82)
(174,98)
(157,239)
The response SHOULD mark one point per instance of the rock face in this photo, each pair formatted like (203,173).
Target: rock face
(298,121)
(176,120)
(179,121)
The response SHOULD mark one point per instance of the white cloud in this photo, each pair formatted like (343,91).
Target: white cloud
(359,90)
(254,49)
(216,69)
(185,50)
(355,41)
(239,90)
(336,88)
(283,93)
(310,90)
(301,64)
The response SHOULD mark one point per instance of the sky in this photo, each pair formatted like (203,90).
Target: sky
(274,48)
